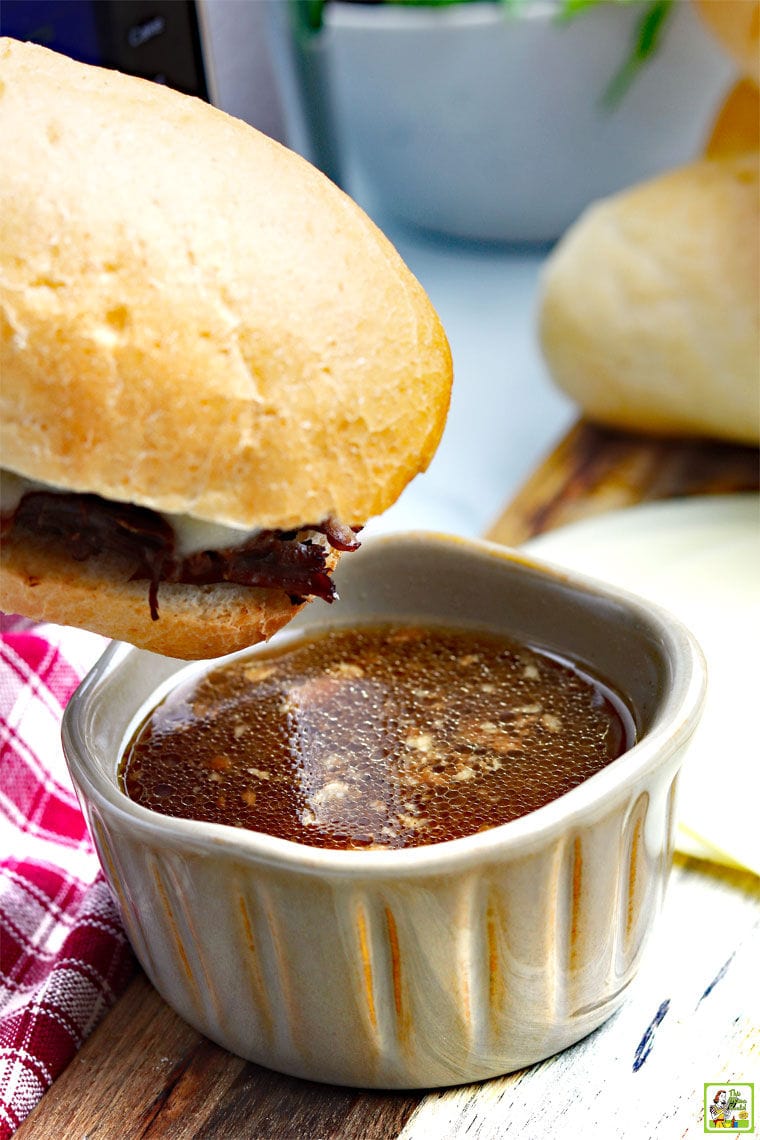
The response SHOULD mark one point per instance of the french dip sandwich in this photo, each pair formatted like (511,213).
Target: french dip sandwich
(215,368)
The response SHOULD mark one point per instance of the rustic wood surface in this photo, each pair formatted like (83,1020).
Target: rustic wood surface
(595,469)
(690,1018)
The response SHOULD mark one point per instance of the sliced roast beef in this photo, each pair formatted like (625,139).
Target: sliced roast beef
(87,525)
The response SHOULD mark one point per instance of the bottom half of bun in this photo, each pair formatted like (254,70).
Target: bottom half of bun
(41,582)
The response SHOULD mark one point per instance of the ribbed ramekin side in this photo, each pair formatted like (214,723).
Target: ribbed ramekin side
(401,980)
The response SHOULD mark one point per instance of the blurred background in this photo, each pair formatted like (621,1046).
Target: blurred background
(495,121)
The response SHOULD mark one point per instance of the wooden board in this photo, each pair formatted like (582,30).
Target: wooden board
(145,1073)
(595,469)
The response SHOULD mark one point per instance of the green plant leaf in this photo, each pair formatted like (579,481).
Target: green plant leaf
(572,8)
(648,37)
(309,15)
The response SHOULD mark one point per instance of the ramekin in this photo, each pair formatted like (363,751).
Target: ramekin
(430,966)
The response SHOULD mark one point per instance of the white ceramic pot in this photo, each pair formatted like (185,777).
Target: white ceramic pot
(486,122)
(426,966)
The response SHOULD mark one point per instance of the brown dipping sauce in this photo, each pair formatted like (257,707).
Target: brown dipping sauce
(381,736)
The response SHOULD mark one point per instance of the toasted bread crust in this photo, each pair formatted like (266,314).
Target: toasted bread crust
(193,318)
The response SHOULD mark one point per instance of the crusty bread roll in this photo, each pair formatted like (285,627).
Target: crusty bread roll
(649,310)
(182,296)
(197,321)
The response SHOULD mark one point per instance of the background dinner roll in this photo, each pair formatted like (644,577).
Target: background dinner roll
(649,315)
(737,125)
(736,25)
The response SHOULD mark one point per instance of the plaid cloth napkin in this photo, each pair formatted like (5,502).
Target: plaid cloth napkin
(64,958)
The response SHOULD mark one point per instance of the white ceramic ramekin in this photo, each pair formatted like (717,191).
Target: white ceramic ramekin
(429,966)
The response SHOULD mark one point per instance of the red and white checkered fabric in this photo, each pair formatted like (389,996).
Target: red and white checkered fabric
(64,958)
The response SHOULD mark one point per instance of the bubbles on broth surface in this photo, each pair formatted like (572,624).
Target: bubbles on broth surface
(376,737)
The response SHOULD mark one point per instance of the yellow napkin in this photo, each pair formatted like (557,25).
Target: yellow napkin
(700,559)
